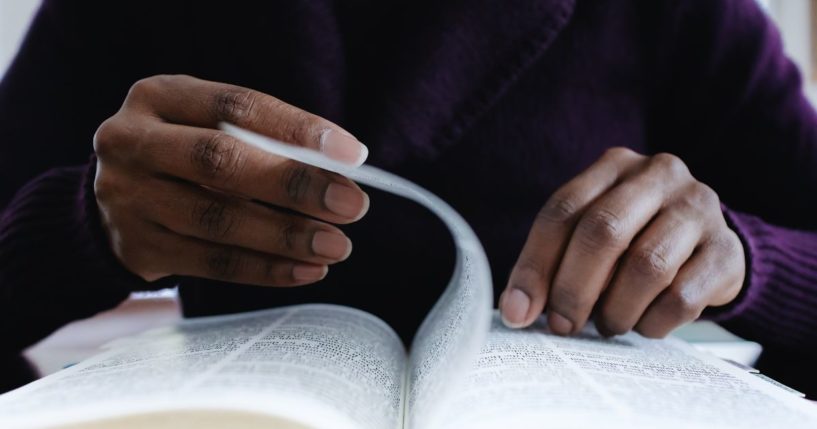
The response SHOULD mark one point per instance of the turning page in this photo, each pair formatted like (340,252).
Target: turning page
(319,365)
(532,379)
(455,329)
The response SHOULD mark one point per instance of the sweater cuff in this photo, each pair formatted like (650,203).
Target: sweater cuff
(776,303)
(55,262)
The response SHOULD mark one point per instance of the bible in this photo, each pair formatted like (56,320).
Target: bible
(327,366)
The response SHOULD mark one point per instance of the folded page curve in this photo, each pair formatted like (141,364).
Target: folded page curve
(452,334)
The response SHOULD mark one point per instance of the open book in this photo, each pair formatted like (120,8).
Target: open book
(326,366)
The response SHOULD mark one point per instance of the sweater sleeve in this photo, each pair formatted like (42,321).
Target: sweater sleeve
(732,106)
(55,264)
(780,294)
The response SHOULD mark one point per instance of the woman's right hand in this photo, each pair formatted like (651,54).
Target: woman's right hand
(179,197)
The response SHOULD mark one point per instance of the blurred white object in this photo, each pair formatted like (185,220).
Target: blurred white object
(709,337)
(15,15)
(82,339)
(796,20)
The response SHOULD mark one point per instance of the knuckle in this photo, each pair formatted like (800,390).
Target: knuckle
(683,304)
(144,92)
(215,217)
(527,275)
(296,182)
(560,208)
(113,191)
(288,234)
(298,128)
(146,88)
(529,266)
(105,186)
(670,165)
(703,196)
(235,105)
(223,263)
(148,85)
(731,259)
(290,231)
(620,153)
(651,263)
(269,270)
(726,243)
(601,228)
(569,300)
(166,79)
(219,157)
(108,138)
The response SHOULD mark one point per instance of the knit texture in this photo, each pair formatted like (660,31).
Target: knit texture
(779,292)
(491,107)
(54,264)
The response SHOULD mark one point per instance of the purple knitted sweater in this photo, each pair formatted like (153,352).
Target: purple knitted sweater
(492,104)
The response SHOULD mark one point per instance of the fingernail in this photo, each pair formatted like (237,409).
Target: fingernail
(343,147)
(515,305)
(558,324)
(345,201)
(331,245)
(305,272)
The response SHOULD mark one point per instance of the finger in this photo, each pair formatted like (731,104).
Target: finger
(527,289)
(187,100)
(212,158)
(189,256)
(711,276)
(647,268)
(601,236)
(196,212)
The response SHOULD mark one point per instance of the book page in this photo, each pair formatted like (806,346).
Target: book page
(531,379)
(455,329)
(321,365)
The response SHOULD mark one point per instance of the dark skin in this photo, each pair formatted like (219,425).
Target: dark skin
(636,237)
(177,196)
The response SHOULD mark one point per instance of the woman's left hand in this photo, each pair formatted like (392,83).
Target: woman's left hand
(636,237)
